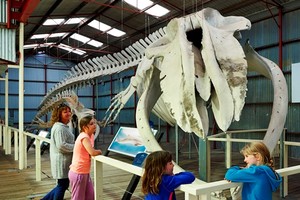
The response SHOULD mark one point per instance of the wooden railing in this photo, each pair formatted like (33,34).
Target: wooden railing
(194,191)
(20,146)
(227,138)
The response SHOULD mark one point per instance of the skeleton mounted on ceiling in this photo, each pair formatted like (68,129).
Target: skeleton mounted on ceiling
(179,73)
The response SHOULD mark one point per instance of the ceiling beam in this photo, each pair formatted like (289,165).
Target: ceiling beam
(27,8)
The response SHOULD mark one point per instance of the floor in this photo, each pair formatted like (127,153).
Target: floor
(20,184)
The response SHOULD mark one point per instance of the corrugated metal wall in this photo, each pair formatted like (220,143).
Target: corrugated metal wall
(258,107)
(40,74)
(3,15)
(7,37)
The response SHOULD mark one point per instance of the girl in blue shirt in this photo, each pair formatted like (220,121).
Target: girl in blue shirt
(158,181)
(258,177)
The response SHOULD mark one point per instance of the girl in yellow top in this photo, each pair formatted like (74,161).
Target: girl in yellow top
(79,174)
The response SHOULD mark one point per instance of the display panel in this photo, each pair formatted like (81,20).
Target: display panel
(128,141)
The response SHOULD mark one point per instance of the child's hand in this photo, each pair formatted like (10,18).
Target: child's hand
(227,180)
(99,152)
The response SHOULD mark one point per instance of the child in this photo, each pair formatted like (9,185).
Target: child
(158,181)
(79,174)
(258,177)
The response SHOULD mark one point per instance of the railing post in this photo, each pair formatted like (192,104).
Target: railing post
(16,145)
(8,142)
(205,197)
(1,134)
(22,150)
(188,196)
(203,168)
(4,138)
(38,169)
(25,148)
(98,179)
(285,164)
(176,142)
(228,150)
(208,160)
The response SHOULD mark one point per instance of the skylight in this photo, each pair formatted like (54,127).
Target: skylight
(80,38)
(99,25)
(104,27)
(157,11)
(140,4)
(32,46)
(87,40)
(56,35)
(115,32)
(44,36)
(95,43)
(75,20)
(78,51)
(39,36)
(51,22)
(70,49)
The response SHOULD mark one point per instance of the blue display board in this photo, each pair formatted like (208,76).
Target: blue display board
(128,141)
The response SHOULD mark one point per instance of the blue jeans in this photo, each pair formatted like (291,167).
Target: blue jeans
(58,192)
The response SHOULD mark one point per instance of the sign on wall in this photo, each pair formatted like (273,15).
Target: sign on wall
(296,83)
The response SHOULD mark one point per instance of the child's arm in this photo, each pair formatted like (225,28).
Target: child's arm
(237,174)
(87,145)
(172,182)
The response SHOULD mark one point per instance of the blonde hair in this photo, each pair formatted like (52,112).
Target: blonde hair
(154,169)
(259,149)
(56,113)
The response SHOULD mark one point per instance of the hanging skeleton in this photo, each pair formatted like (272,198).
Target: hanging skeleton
(175,77)
(78,110)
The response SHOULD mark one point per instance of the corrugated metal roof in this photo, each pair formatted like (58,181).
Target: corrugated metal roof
(136,23)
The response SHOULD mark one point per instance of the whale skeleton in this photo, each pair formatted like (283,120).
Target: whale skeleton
(177,76)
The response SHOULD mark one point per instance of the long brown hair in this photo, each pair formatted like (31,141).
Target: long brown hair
(56,113)
(85,121)
(259,149)
(154,169)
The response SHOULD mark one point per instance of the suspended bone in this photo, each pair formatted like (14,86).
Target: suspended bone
(116,62)
(232,63)
(127,56)
(202,80)
(94,66)
(221,98)
(100,66)
(280,100)
(142,42)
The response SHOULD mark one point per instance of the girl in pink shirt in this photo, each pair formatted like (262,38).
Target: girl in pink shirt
(79,174)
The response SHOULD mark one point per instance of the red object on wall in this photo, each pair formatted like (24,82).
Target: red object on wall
(19,10)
